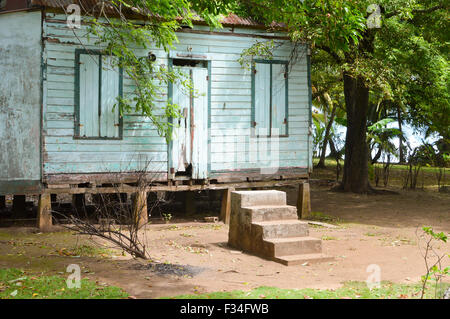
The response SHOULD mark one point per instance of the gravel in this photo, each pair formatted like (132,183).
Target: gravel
(170,269)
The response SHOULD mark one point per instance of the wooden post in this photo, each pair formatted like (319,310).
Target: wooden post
(19,205)
(123,197)
(303,201)
(225,210)
(140,208)
(189,203)
(79,202)
(2,202)
(44,217)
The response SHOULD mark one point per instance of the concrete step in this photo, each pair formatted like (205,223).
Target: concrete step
(276,247)
(270,213)
(280,229)
(292,260)
(258,198)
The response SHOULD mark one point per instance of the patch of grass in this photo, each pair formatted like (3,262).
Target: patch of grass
(398,241)
(17,284)
(86,251)
(370,234)
(321,217)
(427,175)
(326,237)
(186,235)
(350,290)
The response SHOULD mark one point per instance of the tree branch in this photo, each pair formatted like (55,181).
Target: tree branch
(334,55)
(427,10)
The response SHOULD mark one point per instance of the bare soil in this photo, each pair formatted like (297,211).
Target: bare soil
(193,257)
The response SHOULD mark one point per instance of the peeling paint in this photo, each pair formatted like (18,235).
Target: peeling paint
(20,92)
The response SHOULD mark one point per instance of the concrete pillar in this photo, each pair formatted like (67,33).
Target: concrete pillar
(140,208)
(44,217)
(19,205)
(225,210)
(304,201)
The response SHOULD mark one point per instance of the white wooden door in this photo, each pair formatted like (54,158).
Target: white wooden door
(199,124)
(190,138)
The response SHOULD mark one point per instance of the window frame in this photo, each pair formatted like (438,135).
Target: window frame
(253,104)
(100,53)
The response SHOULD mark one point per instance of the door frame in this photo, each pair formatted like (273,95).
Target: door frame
(195,57)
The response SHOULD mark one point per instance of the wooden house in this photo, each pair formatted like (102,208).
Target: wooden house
(59,133)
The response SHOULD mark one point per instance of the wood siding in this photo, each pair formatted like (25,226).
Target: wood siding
(232,145)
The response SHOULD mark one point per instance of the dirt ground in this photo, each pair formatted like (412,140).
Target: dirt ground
(373,229)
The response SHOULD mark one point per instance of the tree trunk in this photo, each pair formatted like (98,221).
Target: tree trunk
(321,163)
(377,156)
(356,177)
(334,153)
(401,155)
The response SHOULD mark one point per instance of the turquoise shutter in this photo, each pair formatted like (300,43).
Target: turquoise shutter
(262,98)
(89,95)
(279,97)
(109,119)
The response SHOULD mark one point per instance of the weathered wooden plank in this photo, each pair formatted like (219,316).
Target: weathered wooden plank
(62,180)
(230,78)
(64,124)
(125,140)
(58,93)
(109,167)
(101,147)
(259,155)
(255,165)
(299,178)
(239,91)
(105,157)
(232,147)
(231,119)
(230,84)
(230,105)
(217,113)
(231,98)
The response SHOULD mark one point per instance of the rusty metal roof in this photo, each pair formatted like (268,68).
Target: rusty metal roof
(91,5)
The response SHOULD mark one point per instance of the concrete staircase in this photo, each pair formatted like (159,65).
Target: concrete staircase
(263,224)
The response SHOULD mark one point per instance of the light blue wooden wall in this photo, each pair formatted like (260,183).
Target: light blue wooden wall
(231,145)
(20,101)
